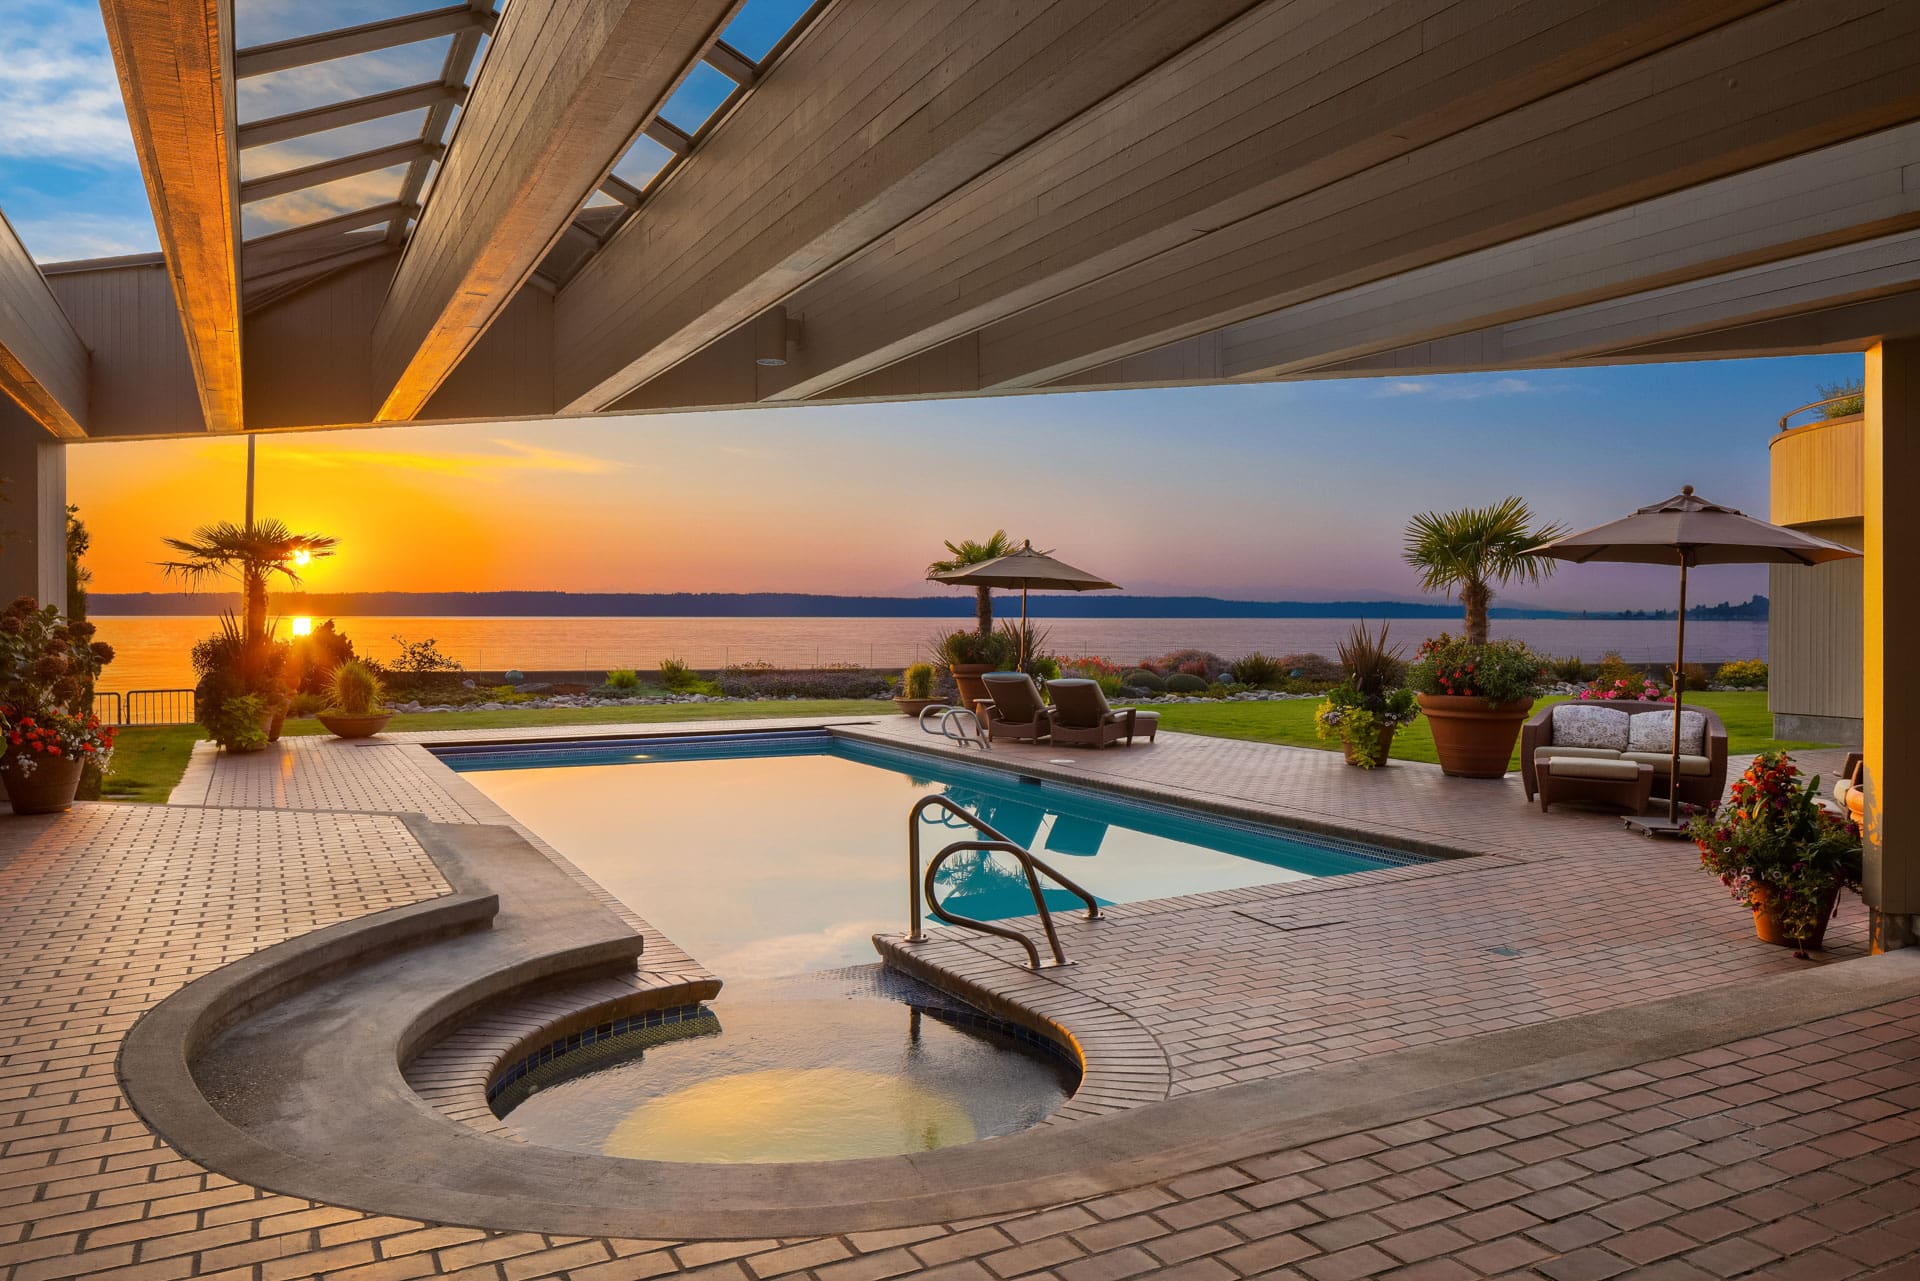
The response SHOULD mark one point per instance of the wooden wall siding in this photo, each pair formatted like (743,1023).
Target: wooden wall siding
(1796,76)
(1846,193)
(310,356)
(43,362)
(1814,635)
(141,381)
(175,60)
(565,88)
(509,371)
(884,107)
(1819,473)
(1286,99)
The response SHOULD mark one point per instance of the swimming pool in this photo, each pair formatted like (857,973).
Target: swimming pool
(778,853)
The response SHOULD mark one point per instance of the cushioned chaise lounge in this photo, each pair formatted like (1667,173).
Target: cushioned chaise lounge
(1593,751)
(1081,715)
(1017,710)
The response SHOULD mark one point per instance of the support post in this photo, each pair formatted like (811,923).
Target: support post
(1892,614)
(33,515)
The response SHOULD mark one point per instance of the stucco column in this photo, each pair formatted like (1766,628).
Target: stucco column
(33,515)
(1892,613)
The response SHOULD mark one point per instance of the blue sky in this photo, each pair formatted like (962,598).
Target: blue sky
(1295,489)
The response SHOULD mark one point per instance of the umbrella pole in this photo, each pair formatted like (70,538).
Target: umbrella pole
(1679,685)
(1023,626)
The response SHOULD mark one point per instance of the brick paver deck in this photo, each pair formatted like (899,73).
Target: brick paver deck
(1791,1155)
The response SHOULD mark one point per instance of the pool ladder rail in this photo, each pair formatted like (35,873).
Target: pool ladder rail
(995,842)
(956,725)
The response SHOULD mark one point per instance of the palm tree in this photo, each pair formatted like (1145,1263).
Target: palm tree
(1471,549)
(968,553)
(250,555)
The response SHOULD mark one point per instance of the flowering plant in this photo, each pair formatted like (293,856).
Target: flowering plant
(1642,690)
(1350,715)
(47,663)
(1777,850)
(1092,666)
(51,736)
(1502,671)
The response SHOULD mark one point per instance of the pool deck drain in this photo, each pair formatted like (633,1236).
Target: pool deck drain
(1793,1153)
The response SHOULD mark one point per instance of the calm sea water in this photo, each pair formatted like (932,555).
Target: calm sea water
(152,652)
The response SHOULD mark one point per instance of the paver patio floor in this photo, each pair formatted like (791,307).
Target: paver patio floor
(1795,1154)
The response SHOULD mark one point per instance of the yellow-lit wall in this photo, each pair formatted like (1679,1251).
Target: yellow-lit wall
(1815,685)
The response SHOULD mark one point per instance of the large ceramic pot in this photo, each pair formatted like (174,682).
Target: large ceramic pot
(1766,919)
(47,790)
(1474,738)
(967,677)
(1386,747)
(915,706)
(280,708)
(341,725)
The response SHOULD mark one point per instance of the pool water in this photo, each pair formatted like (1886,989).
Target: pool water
(906,1069)
(776,854)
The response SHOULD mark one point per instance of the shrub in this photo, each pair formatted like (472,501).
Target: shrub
(355,690)
(1570,670)
(1310,667)
(1185,683)
(680,678)
(917,681)
(306,704)
(1044,667)
(1257,669)
(623,678)
(312,658)
(1615,680)
(1192,662)
(995,649)
(1743,673)
(1364,723)
(234,722)
(423,656)
(1370,665)
(1501,671)
(1091,667)
(1109,684)
(1217,690)
(738,682)
(1141,678)
(1852,398)
(1696,675)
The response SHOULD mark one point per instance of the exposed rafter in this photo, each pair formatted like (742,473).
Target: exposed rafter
(43,363)
(313,175)
(566,87)
(298,124)
(174,59)
(457,72)
(367,38)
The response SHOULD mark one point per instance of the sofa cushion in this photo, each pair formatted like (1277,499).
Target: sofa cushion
(1585,725)
(1593,767)
(1552,750)
(1653,732)
(1696,766)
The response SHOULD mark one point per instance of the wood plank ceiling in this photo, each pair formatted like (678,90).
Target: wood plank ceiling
(899,198)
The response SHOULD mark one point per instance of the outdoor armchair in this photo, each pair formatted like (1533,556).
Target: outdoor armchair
(1081,715)
(1017,710)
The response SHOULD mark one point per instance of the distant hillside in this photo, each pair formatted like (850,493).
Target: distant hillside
(766,605)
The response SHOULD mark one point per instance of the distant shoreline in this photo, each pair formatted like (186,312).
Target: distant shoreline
(801,605)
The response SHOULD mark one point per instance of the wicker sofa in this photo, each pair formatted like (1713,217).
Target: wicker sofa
(1622,731)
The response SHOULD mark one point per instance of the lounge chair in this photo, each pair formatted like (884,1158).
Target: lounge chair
(1081,716)
(1017,710)
(1849,797)
(1624,732)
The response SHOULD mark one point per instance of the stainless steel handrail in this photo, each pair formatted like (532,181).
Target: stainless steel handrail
(1820,404)
(996,842)
(946,719)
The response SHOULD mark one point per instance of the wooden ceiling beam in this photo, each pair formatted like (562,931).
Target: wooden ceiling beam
(875,114)
(732,64)
(314,233)
(298,124)
(456,72)
(280,184)
(304,51)
(566,88)
(1794,77)
(43,363)
(175,64)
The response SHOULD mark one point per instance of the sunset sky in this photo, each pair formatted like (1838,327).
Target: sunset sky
(1297,490)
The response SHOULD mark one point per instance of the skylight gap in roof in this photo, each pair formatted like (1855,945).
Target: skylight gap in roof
(320,84)
(258,22)
(330,144)
(704,91)
(642,163)
(763,24)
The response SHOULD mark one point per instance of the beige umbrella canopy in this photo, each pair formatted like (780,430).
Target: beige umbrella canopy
(1687,530)
(1025,569)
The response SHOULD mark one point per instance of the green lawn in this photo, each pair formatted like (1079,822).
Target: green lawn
(149,760)
(1749,724)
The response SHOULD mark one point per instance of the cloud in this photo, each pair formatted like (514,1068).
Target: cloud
(60,96)
(80,235)
(518,458)
(1458,388)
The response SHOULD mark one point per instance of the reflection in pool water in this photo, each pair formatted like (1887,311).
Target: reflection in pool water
(825,1068)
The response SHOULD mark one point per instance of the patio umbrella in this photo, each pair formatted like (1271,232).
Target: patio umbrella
(1687,530)
(1025,569)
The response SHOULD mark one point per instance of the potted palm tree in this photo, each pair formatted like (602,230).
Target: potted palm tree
(355,710)
(1475,693)
(969,552)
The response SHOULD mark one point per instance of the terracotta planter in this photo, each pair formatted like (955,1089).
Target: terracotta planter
(341,725)
(915,706)
(1473,738)
(1766,920)
(967,677)
(48,790)
(1386,748)
(279,718)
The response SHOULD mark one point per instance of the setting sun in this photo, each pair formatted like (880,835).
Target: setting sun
(303,626)
(302,557)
